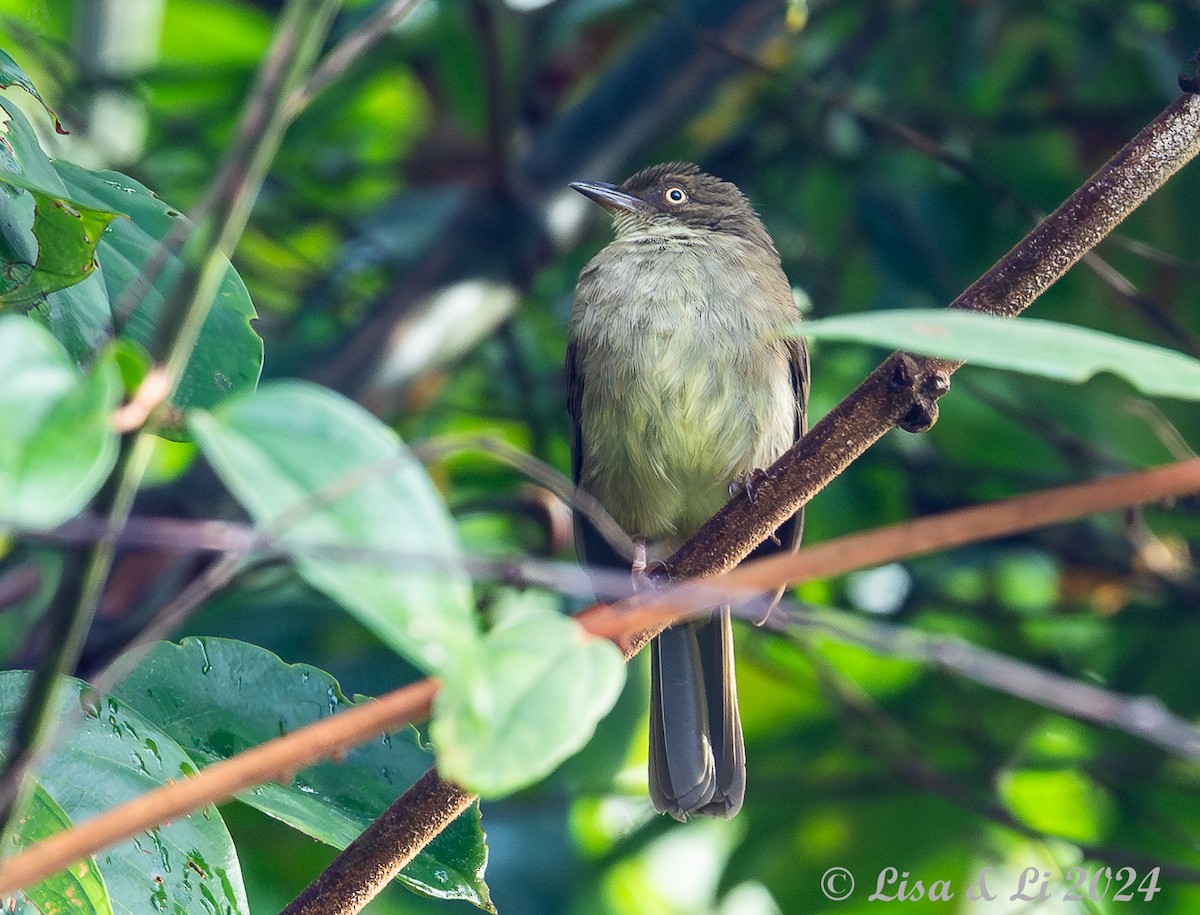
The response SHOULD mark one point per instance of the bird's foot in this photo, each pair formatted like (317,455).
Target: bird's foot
(645,573)
(748,486)
(641,581)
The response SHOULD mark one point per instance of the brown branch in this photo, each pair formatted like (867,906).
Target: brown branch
(903,390)
(334,736)
(919,537)
(371,861)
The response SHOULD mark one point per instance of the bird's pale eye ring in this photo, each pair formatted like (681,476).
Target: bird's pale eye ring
(675,195)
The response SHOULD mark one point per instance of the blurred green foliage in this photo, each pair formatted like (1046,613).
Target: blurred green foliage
(894,149)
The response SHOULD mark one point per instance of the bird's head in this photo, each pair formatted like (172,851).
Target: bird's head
(674,195)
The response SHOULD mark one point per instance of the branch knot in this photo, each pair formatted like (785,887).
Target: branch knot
(925,381)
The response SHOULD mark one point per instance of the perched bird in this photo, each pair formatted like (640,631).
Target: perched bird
(683,381)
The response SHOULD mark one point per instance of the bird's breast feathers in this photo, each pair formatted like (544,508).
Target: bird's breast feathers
(686,383)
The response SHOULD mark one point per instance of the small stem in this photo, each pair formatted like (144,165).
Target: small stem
(303,26)
(337,734)
(348,51)
(69,619)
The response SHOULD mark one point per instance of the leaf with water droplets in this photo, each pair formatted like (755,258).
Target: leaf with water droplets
(220,696)
(111,754)
(228,355)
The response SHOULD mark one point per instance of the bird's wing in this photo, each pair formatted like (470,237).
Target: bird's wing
(590,545)
(575,406)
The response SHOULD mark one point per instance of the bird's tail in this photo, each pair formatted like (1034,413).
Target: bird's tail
(697,757)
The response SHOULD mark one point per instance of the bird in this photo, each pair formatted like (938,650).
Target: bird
(685,379)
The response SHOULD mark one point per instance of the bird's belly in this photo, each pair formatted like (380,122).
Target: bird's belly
(688,413)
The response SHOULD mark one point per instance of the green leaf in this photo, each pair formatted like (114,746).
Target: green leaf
(330,474)
(67,234)
(79,315)
(219,697)
(56,444)
(110,754)
(1061,802)
(1045,348)
(228,355)
(22,154)
(79,888)
(11,74)
(533,700)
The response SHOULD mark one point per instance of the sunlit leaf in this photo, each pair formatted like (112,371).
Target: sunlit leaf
(1028,345)
(1061,802)
(79,314)
(79,888)
(533,700)
(327,472)
(56,444)
(67,234)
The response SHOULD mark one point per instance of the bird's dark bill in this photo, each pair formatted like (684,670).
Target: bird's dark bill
(609,196)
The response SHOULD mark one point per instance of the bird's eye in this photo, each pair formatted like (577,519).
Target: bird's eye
(675,195)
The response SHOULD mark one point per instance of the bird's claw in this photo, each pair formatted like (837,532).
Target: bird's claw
(748,485)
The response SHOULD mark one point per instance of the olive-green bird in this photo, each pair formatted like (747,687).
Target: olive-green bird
(683,380)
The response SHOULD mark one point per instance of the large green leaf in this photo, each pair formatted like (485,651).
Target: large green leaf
(56,444)
(533,700)
(80,888)
(327,472)
(219,697)
(110,754)
(228,355)
(1027,345)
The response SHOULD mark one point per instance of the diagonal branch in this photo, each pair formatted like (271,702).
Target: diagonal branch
(330,737)
(385,848)
(903,391)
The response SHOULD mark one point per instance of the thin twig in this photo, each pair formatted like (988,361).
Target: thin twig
(297,40)
(276,760)
(918,537)
(539,472)
(351,49)
(339,733)
(1144,717)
